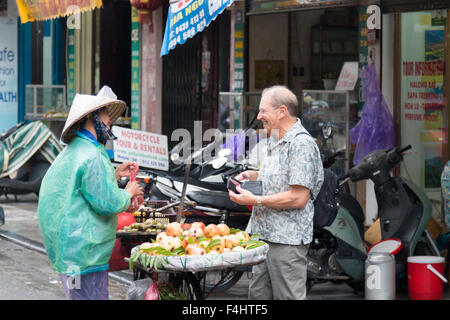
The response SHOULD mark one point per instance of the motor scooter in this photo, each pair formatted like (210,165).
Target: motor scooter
(338,251)
(2,216)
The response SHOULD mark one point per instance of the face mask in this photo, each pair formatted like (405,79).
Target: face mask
(103,132)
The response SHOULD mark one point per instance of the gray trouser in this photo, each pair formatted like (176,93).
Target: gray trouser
(282,276)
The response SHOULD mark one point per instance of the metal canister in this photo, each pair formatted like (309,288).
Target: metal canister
(380,276)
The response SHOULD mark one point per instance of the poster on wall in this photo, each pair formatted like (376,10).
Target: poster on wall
(268,73)
(8,73)
(424,123)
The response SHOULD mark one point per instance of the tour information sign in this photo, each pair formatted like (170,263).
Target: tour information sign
(146,149)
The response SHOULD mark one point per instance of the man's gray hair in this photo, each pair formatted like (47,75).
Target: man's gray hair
(280,95)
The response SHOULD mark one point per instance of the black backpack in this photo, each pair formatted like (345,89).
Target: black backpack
(325,204)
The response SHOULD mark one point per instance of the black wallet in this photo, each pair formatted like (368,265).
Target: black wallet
(254,187)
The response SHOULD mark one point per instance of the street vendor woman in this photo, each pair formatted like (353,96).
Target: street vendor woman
(291,173)
(79,199)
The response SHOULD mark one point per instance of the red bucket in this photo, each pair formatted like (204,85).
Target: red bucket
(425,277)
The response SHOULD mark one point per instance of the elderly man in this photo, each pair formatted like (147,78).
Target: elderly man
(291,175)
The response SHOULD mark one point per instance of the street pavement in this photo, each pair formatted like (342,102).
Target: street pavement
(25,273)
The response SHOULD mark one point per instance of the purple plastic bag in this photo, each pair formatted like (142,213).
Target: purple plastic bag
(375,130)
(236,143)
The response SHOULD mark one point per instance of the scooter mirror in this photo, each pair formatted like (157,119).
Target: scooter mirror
(219,162)
(174,157)
(327,130)
(224,153)
(2,216)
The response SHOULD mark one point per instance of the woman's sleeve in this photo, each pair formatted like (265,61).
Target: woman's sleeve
(99,188)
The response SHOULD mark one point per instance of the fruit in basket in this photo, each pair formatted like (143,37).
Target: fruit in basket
(161,236)
(226,250)
(174,229)
(185,226)
(177,243)
(243,236)
(232,241)
(167,243)
(211,230)
(194,250)
(204,243)
(146,246)
(198,225)
(196,232)
(224,230)
(219,247)
(222,239)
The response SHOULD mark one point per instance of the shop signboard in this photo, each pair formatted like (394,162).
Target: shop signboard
(135,69)
(37,10)
(8,73)
(147,149)
(71,66)
(348,77)
(186,18)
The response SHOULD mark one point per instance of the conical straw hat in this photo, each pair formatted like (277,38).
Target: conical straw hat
(83,104)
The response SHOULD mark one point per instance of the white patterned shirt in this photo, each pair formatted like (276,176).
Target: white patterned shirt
(293,160)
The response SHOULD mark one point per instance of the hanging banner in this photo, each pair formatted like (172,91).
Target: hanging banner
(186,18)
(32,10)
(8,73)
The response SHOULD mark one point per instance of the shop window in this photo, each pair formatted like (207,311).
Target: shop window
(424,111)
(3,7)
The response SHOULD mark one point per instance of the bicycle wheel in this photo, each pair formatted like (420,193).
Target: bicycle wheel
(187,283)
(212,279)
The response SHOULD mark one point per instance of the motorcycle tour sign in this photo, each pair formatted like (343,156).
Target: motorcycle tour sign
(147,149)
(186,18)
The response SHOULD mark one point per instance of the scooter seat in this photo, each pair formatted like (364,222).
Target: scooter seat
(216,199)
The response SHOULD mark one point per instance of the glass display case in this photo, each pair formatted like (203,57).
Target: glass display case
(46,101)
(327,115)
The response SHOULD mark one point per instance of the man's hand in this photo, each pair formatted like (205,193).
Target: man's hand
(125,169)
(247,175)
(244,197)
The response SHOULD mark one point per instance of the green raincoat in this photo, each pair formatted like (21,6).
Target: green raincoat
(78,205)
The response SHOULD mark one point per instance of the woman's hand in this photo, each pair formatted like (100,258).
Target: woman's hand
(244,197)
(134,189)
(125,169)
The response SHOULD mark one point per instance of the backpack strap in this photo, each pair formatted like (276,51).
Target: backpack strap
(320,157)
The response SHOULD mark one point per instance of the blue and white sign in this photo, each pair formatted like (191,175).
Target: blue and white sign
(188,17)
(9,96)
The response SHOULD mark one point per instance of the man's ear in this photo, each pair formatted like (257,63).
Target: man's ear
(284,111)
